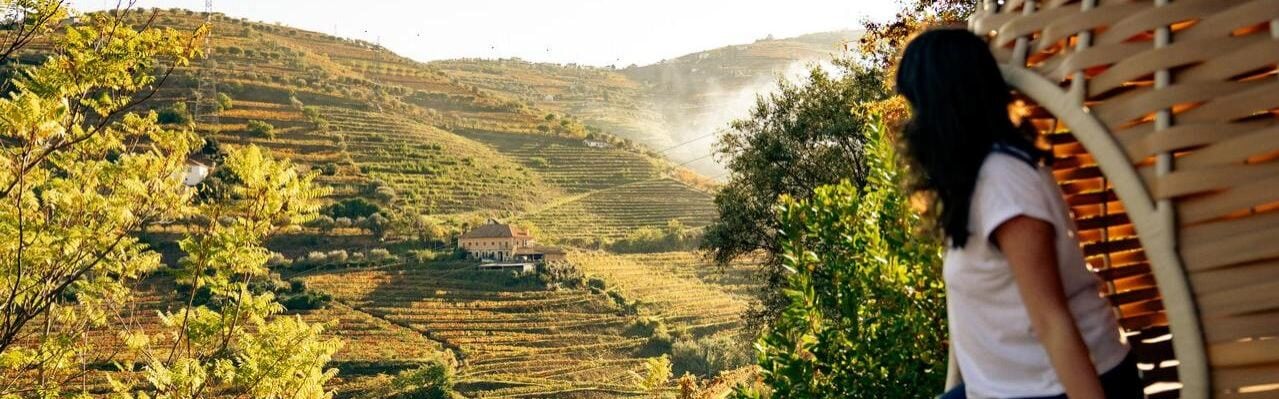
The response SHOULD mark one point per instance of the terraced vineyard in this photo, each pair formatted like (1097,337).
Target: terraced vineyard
(740,278)
(614,212)
(512,342)
(458,141)
(370,345)
(570,163)
(433,170)
(692,305)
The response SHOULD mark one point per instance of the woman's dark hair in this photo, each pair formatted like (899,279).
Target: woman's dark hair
(960,110)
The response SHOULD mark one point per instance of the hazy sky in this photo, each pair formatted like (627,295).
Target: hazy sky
(595,32)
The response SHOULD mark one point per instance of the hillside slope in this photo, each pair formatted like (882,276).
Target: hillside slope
(410,135)
(424,140)
(660,105)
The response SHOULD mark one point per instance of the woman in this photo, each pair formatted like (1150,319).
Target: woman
(1026,317)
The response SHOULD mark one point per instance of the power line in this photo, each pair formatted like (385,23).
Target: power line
(687,142)
(694,160)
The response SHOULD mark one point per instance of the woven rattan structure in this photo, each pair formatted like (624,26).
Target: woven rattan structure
(1163,116)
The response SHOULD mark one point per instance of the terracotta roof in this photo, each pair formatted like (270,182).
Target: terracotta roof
(495,230)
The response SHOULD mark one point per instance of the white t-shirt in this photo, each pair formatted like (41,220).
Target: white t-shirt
(998,353)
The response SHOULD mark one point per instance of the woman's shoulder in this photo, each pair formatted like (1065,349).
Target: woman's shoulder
(1002,166)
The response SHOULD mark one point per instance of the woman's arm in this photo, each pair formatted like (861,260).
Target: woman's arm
(953,378)
(1029,245)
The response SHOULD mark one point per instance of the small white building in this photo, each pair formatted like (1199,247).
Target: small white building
(196,173)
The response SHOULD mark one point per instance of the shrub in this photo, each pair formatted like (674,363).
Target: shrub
(352,208)
(434,379)
(311,258)
(278,259)
(380,255)
(657,373)
(261,129)
(321,222)
(675,237)
(384,193)
(306,301)
(597,283)
(708,356)
(338,256)
(175,114)
(376,224)
(559,274)
(329,169)
(342,222)
(224,102)
(866,310)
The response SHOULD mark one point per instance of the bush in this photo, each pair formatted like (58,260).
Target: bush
(376,224)
(306,301)
(352,208)
(597,283)
(708,356)
(675,237)
(224,102)
(866,312)
(554,275)
(434,379)
(338,257)
(261,129)
(321,222)
(175,114)
(380,255)
(278,259)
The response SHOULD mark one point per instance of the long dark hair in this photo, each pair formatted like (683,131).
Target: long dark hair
(960,111)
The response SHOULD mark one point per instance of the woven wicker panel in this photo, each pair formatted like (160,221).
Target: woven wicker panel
(1187,96)
(1113,251)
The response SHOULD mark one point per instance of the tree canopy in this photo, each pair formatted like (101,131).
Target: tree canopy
(803,136)
(83,176)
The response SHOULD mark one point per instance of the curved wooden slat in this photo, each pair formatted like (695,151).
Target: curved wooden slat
(1155,17)
(1244,353)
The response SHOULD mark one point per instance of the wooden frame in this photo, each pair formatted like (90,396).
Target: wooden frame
(1172,106)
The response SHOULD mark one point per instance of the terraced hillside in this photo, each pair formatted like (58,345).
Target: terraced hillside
(513,342)
(370,118)
(691,305)
(613,212)
(458,144)
(601,97)
(370,346)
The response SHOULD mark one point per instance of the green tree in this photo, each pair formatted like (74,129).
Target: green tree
(175,114)
(82,177)
(261,129)
(804,135)
(657,374)
(432,380)
(865,309)
(224,101)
